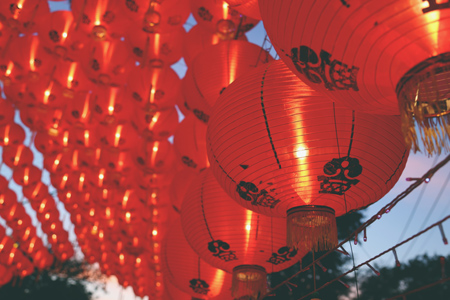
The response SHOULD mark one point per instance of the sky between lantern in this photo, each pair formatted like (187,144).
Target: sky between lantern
(426,205)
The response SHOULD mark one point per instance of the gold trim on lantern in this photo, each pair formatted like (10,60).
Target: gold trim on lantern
(311,227)
(249,282)
(424,99)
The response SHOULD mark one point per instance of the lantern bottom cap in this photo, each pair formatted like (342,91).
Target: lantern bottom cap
(423,97)
(249,282)
(311,227)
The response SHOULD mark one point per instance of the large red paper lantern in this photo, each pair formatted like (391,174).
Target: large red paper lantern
(187,271)
(235,239)
(54,32)
(11,134)
(214,69)
(218,17)
(282,149)
(366,55)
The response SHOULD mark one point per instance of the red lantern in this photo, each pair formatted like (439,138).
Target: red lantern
(234,239)
(71,76)
(220,18)
(17,156)
(249,8)
(29,55)
(100,18)
(367,64)
(197,40)
(49,143)
(107,62)
(41,117)
(6,112)
(155,157)
(11,134)
(79,109)
(154,88)
(216,68)
(157,49)
(54,31)
(45,91)
(119,137)
(184,268)
(156,125)
(6,275)
(179,186)
(159,15)
(112,105)
(190,143)
(24,176)
(279,147)
(22,14)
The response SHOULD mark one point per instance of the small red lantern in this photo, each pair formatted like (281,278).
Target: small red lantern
(279,148)
(190,143)
(158,15)
(220,18)
(29,175)
(54,31)
(156,125)
(107,62)
(199,38)
(22,14)
(157,49)
(11,134)
(17,156)
(154,88)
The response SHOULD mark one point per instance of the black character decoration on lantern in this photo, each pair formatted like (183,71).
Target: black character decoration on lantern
(221,250)
(334,74)
(339,175)
(199,286)
(250,192)
(283,255)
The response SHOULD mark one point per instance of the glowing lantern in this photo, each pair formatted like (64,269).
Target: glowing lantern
(220,18)
(54,32)
(17,156)
(158,15)
(234,239)
(371,55)
(101,19)
(11,134)
(156,125)
(106,62)
(24,176)
(190,143)
(22,14)
(215,69)
(157,49)
(154,88)
(199,38)
(188,272)
(281,149)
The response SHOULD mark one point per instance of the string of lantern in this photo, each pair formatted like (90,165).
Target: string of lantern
(384,210)
(367,262)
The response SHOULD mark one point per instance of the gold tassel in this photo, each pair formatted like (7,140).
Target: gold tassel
(249,282)
(311,228)
(424,100)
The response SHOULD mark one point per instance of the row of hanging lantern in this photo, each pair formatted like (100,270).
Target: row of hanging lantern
(270,142)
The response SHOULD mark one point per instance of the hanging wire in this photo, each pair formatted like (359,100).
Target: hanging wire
(371,259)
(388,207)
(416,205)
(433,206)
